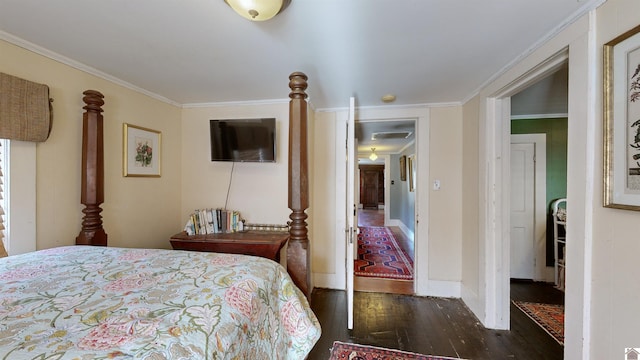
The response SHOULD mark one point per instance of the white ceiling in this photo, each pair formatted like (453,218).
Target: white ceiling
(200,51)
(365,130)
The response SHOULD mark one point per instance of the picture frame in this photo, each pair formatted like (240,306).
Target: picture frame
(403,168)
(412,174)
(621,105)
(141,151)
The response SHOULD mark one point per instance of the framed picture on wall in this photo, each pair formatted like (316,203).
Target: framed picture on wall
(141,151)
(403,168)
(622,121)
(412,173)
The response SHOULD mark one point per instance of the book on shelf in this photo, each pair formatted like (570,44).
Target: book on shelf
(213,221)
(223,216)
(209,220)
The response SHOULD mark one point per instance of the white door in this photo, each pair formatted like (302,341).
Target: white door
(522,211)
(351,208)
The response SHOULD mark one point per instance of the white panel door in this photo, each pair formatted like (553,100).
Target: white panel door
(522,211)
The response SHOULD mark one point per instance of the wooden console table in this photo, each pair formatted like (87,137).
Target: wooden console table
(266,244)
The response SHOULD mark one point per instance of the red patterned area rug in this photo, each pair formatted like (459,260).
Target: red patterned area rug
(550,317)
(345,351)
(379,255)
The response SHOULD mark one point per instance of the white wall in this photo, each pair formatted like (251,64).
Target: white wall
(328,250)
(445,205)
(257,190)
(615,310)
(137,212)
(601,298)
(472,286)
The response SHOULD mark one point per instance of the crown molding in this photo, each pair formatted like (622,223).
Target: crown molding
(396,107)
(235,103)
(19,42)
(583,10)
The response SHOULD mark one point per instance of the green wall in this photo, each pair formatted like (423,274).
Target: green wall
(556,131)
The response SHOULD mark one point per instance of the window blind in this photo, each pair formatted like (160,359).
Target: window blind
(3,251)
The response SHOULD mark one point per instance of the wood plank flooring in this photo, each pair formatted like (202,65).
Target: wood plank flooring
(387,315)
(435,326)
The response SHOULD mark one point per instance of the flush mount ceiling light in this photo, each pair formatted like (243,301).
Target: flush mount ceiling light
(373,155)
(258,10)
(388,98)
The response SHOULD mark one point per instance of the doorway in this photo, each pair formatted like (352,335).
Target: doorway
(368,221)
(385,205)
(372,187)
(537,137)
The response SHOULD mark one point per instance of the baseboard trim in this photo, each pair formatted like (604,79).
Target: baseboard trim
(329,281)
(448,289)
(397,222)
(472,301)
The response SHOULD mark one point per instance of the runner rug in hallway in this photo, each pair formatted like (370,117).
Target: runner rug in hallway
(379,255)
(347,351)
(550,317)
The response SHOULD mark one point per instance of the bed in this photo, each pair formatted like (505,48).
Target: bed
(93,301)
(105,302)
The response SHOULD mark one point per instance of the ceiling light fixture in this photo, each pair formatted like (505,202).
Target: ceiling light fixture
(373,155)
(258,10)
(388,98)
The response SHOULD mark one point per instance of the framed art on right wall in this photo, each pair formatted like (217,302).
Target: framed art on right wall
(403,168)
(412,172)
(622,121)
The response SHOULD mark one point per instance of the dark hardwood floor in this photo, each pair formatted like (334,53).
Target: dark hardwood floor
(433,326)
(525,290)
(387,315)
(368,217)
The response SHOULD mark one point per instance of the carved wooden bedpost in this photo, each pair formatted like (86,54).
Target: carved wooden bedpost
(92,191)
(298,254)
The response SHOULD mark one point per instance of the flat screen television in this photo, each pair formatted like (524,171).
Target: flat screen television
(243,140)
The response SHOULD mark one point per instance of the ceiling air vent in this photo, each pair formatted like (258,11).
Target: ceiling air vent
(390,135)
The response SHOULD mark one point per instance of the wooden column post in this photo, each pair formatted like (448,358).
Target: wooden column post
(298,254)
(92,191)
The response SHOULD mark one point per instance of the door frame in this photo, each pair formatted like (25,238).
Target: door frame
(542,273)
(421,284)
(495,211)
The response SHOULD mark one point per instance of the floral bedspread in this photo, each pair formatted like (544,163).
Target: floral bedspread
(85,302)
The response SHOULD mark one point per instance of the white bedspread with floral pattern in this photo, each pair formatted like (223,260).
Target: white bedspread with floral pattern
(85,302)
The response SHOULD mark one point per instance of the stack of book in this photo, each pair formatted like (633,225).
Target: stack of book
(214,221)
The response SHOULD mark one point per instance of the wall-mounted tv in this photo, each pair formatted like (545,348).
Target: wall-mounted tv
(243,140)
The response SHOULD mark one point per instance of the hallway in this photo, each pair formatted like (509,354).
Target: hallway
(366,218)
